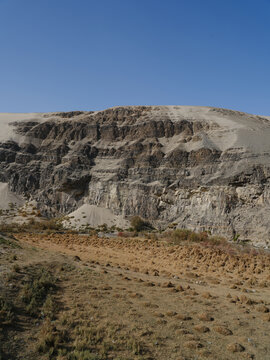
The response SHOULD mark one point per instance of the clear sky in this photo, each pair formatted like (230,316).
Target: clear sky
(93,54)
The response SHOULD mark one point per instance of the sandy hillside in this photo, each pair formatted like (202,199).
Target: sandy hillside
(95,216)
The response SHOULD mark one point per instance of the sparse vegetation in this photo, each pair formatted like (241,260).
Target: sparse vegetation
(181,235)
(32,225)
(37,293)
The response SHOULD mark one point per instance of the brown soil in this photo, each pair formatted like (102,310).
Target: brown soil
(144,299)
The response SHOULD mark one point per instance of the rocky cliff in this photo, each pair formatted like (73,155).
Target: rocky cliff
(198,167)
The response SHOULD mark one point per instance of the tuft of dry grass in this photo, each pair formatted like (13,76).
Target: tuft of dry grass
(205,317)
(223,330)
(235,347)
(201,328)
(192,344)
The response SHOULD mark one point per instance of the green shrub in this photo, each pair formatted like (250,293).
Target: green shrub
(179,235)
(138,224)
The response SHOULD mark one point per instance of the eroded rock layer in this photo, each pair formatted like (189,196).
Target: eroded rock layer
(201,168)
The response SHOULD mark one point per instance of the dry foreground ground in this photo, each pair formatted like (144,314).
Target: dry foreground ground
(79,297)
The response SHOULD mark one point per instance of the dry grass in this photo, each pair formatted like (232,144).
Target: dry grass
(131,298)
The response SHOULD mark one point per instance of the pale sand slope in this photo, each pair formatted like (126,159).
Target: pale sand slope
(227,129)
(6,197)
(6,120)
(95,216)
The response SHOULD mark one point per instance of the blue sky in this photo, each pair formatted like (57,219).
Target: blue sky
(93,54)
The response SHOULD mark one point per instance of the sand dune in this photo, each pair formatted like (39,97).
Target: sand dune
(95,216)
(7,197)
(6,120)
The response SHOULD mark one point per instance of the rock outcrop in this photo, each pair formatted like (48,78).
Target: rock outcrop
(198,167)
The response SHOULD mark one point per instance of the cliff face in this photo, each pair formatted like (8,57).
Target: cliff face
(202,168)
